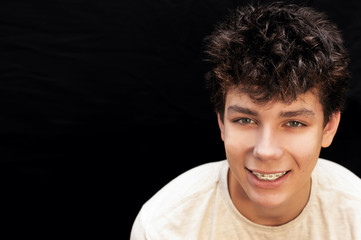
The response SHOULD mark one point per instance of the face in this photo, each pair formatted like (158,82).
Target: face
(272,148)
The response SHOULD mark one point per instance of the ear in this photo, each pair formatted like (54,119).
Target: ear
(330,129)
(221,125)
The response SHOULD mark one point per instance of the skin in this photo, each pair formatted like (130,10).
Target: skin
(268,138)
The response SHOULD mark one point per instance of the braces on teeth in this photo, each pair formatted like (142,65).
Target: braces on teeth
(268,177)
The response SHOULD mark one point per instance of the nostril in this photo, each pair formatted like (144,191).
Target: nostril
(267,152)
(267,146)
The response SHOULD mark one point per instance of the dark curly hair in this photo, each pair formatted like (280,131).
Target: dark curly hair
(276,52)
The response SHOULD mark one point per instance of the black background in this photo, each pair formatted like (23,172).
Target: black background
(103,102)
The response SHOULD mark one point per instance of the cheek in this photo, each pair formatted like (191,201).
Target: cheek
(237,143)
(238,148)
(305,149)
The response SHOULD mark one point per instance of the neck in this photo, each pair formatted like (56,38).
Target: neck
(263,214)
(275,216)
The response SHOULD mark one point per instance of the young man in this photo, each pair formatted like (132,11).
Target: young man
(279,80)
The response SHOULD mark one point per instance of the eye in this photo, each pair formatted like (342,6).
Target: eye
(246,121)
(295,124)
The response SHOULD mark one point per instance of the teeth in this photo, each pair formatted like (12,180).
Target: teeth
(268,177)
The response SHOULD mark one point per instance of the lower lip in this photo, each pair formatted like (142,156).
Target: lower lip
(266,184)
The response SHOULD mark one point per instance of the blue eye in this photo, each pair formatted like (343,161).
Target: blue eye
(295,124)
(246,121)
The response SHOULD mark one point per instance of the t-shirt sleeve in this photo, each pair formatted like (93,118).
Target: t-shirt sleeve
(138,231)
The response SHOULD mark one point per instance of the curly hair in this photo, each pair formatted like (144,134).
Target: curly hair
(277,52)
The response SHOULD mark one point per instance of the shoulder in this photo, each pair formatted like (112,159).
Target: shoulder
(194,181)
(181,197)
(338,199)
(338,175)
(334,179)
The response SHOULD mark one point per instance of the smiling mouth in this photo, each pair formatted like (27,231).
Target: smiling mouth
(270,176)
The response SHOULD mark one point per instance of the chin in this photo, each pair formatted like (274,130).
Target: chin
(269,200)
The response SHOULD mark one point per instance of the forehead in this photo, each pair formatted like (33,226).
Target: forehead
(308,100)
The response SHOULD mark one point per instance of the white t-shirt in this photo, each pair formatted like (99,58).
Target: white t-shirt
(197,205)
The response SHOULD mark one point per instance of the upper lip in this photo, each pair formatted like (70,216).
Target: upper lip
(267,172)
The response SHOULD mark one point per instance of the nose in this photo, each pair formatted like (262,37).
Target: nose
(267,145)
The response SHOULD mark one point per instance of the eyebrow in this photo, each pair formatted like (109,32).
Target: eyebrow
(300,112)
(239,109)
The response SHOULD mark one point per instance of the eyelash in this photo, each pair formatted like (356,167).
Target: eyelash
(248,121)
(243,121)
(297,123)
